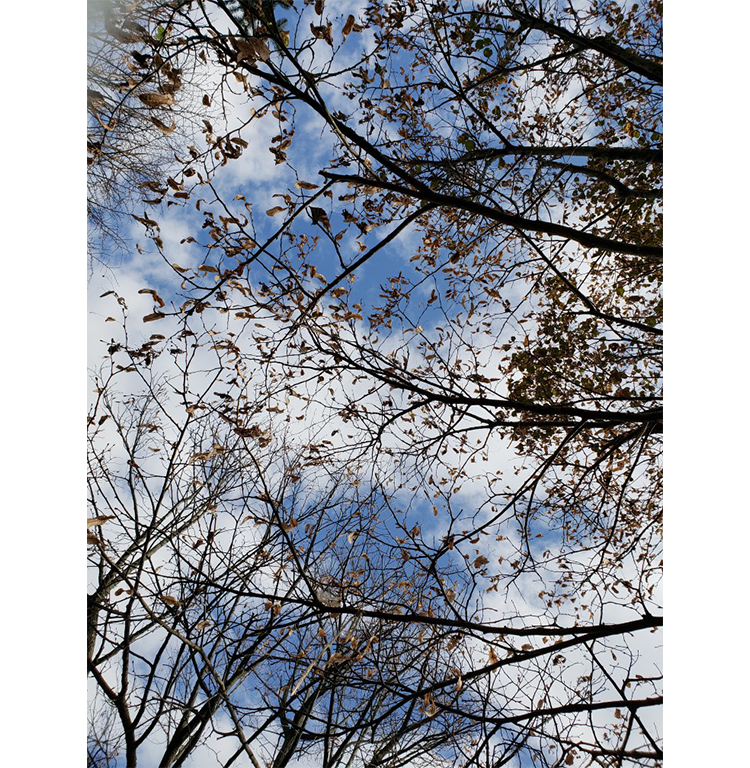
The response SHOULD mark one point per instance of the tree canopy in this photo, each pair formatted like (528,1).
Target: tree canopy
(375,475)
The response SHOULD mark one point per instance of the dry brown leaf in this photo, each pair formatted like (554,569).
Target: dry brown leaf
(156,100)
(347,27)
(158,299)
(319,216)
(92,521)
(153,186)
(323,32)
(163,127)
(145,220)
(254,431)
(251,48)
(170,601)
(429,707)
